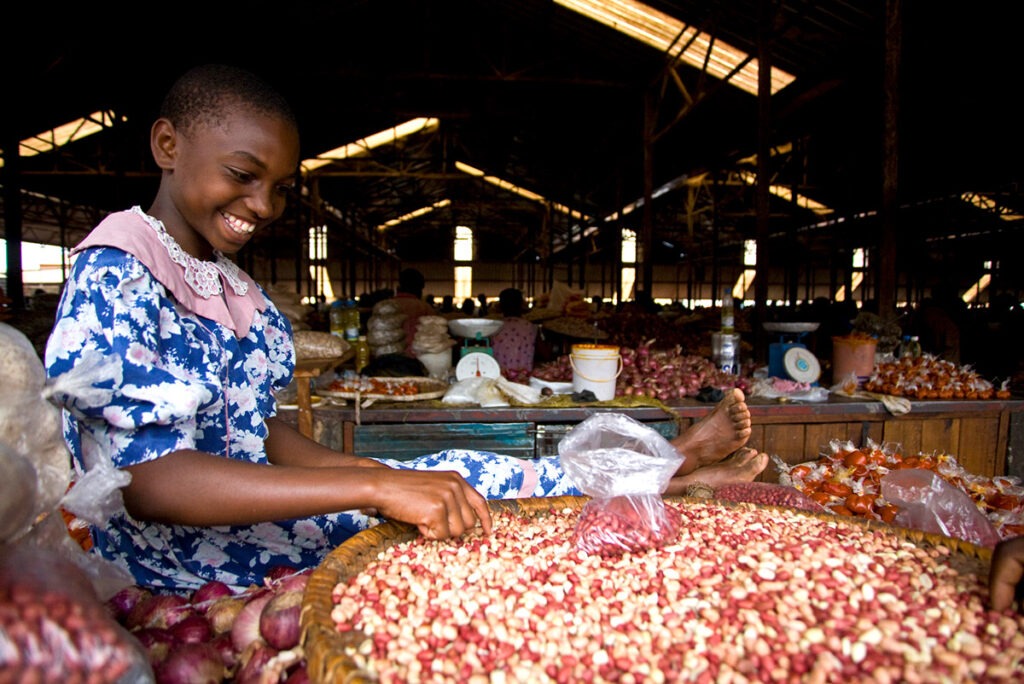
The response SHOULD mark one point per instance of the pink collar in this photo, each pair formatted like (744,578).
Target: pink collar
(217,289)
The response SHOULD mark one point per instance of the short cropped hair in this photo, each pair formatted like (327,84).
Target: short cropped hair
(412,281)
(511,302)
(205,94)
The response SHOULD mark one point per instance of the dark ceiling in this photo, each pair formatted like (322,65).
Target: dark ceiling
(543,97)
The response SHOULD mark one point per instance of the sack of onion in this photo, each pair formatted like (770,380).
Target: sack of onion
(53,626)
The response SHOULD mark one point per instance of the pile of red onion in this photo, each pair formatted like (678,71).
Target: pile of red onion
(217,635)
(664,374)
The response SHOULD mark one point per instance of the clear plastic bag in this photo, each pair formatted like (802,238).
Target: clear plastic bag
(35,464)
(625,467)
(929,503)
(54,626)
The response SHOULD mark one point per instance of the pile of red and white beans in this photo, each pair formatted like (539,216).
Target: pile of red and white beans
(745,593)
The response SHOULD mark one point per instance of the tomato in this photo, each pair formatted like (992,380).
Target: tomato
(1003,501)
(801,471)
(821,497)
(836,488)
(861,504)
(842,510)
(888,512)
(855,458)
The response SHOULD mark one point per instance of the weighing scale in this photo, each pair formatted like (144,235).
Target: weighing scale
(476,358)
(789,357)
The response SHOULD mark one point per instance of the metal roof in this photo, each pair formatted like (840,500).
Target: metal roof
(545,98)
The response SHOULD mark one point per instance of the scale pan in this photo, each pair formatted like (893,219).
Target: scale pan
(469,327)
(783,327)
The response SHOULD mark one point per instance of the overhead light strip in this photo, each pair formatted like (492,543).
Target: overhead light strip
(786,193)
(414,214)
(522,192)
(678,40)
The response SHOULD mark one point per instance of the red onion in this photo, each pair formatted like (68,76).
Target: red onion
(156,641)
(222,642)
(295,582)
(221,614)
(191,664)
(159,610)
(247,623)
(298,675)
(252,667)
(278,572)
(211,591)
(124,601)
(194,629)
(279,621)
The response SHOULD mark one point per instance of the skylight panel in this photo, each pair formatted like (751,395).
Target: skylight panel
(988,204)
(360,147)
(666,33)
(55,138)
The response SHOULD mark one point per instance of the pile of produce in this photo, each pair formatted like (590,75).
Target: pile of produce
(664,374)
(631,328)
(742,593)
(929,377)
(215,635)
(847,480)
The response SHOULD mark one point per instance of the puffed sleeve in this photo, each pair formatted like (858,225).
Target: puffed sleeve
(112,305)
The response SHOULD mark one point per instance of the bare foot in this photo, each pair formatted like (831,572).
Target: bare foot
(743,466)
(716,435)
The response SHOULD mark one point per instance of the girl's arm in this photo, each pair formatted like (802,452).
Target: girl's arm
(287,446)
(194,488)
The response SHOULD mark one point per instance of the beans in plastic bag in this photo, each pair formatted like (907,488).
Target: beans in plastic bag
(625,467)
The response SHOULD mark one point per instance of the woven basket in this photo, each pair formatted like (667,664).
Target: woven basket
(326,647)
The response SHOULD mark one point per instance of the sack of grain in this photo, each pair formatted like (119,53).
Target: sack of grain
(310,344)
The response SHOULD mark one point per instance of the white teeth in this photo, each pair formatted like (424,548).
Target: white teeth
(238,225)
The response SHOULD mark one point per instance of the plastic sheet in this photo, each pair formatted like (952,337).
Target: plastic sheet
(929,503)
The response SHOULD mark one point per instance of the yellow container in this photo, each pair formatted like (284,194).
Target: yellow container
(853,354)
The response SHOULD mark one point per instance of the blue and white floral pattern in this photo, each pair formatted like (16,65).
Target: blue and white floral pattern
(189,383)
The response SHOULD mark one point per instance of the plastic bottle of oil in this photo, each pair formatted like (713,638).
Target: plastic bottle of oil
(362,349)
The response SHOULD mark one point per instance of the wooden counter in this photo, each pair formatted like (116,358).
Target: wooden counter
(986,437)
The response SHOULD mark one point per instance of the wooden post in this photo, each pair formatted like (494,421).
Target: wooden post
(886,268)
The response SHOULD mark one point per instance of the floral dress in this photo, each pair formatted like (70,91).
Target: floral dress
(205,382)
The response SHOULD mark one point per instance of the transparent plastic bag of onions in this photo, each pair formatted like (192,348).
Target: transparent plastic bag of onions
(625,467)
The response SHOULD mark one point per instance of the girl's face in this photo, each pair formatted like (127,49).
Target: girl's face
(226,180)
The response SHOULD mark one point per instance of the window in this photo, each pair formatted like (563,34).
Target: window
(463,249)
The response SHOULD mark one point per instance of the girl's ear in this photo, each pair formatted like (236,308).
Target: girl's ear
(163,142)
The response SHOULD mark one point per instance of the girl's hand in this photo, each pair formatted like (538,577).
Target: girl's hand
(441,504)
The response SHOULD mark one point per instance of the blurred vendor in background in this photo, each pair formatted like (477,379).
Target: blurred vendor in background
(515,344)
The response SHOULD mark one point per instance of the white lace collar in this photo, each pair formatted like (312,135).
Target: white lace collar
(203,277)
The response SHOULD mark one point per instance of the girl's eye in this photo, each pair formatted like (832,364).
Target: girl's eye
(239,175)
(285,189)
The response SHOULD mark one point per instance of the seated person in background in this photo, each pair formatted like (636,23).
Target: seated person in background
(468,307)
(409,299)
(515,343)
(448,309)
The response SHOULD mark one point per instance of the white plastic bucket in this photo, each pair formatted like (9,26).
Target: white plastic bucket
(595,367)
